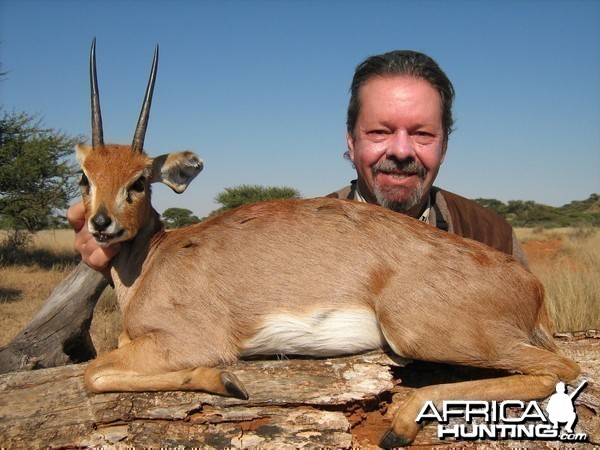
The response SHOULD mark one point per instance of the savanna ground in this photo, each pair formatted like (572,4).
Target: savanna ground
(566,260)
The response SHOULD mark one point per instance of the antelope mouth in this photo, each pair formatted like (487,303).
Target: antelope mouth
(104,239)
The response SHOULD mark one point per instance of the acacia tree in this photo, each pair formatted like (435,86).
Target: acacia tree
(495,205)
(178,217)
(233,197)
(36,176)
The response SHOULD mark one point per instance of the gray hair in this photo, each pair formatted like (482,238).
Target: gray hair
(402,62)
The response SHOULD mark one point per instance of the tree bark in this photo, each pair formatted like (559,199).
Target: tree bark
(317,403)
(59,332)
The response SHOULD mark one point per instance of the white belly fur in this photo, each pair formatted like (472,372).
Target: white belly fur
(323,333)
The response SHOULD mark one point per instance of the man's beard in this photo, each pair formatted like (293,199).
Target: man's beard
(399,198)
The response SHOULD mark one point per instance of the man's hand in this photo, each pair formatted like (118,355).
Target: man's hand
(98,258)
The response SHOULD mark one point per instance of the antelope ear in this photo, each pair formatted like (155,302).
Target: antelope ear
(81,152)
(176,170)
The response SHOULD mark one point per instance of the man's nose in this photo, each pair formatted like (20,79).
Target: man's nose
(400,146)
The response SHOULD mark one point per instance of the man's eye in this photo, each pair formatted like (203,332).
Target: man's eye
(423,137)
(378,134)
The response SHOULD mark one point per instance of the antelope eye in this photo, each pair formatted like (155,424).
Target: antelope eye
(84,180)
(139,184)
(84,183)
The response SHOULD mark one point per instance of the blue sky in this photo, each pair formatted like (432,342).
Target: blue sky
(259,89)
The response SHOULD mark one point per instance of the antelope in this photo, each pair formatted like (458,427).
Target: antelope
(316,277)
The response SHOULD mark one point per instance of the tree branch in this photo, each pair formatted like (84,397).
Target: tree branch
(59,332)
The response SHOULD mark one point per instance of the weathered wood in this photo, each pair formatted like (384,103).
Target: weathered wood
(59,332)
(293,402)
(325,403)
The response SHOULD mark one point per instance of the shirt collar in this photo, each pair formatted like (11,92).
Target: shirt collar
(423,218)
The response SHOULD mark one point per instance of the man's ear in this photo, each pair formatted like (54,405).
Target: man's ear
(350,144)
(444,148)
(81,152)
(176,170)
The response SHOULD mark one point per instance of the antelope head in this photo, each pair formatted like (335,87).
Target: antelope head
(116,179)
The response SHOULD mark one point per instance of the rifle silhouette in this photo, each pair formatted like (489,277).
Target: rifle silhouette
(576,392)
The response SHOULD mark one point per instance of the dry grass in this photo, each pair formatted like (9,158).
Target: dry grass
(567,261)
(107,322)
(55,240)
(22,292)
(28,276)
(540,234)
(568,264)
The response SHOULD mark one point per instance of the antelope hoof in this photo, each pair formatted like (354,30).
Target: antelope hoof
(393,440)
(233,386)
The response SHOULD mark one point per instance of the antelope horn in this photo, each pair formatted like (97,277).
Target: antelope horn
(140,130)
(97,134)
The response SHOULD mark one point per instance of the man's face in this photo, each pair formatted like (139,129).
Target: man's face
(399,143)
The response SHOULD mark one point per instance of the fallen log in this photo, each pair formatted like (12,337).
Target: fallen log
(326,403)
(58,334)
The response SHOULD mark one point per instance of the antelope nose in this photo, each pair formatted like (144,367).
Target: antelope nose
(101,222)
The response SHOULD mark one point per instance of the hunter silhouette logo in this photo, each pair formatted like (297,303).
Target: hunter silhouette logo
(560,406)
(509,419)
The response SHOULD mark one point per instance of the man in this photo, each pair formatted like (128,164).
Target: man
(399,121)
